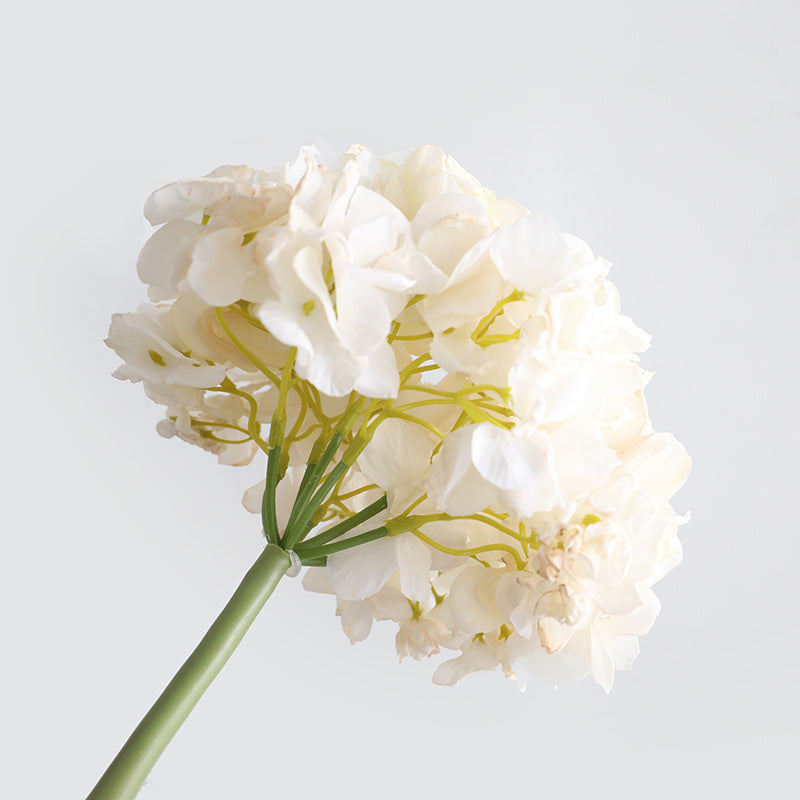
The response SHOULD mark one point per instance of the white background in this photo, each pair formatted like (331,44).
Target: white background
(665,134)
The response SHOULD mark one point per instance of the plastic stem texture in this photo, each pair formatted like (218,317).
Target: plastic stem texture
(127,772)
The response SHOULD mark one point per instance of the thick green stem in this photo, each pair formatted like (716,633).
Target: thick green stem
(125,775)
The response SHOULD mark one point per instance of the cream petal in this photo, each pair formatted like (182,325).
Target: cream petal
(625,651)
(372,239)
(446,242)
(517,599)
(165,258)
(316,580)
(183,198)
(464,301)
(413,639)
(361,571)
(321,357)
(617,600)
(553,634)
(306,271)
(531,253)
(507,461)
(379,376)
(356,620)
(423,276)
(364,320)
(220,267)
(602,663)
(398,453)
(639,621)
(238,455)
(661,465)
(457,352)
(252,497)
(568,665)
(472,600)
(453,484)
(414,560)
(582,461)
(151,350)
(476,657)
(449,206)
(626,337)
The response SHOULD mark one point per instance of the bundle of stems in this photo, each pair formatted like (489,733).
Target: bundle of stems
(127,772)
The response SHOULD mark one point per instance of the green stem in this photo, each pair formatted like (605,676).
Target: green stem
(313,553)
(311,478)
(347,525)
(298,528)
(269,514)
(125,775)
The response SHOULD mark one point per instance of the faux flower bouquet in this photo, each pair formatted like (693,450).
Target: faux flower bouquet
(449,402)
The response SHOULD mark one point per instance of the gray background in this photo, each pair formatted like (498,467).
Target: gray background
(665,134)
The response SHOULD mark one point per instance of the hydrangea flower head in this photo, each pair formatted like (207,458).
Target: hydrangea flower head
(500,491)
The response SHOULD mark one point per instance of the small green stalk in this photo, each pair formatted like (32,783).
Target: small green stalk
(269,514)
(296,530)
(313,553)
(346,525)
(314,472)
(125,775)
(312,477)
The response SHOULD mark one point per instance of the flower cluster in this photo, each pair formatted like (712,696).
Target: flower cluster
(449,398)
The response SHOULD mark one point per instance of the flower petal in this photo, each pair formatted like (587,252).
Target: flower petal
(531,253)
(363,570)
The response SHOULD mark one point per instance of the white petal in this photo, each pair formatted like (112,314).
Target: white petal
(237,455)
(321,358)
(379,376)
(183,198)
(507,461)
(453,484)
(164,258)
(370,240)
(640,621)
(399,453)
(625,651)
(618,600)
(531,253)
(661,465)
(424,276)
(414,560)
(602,663)
(469,295)
(356,620)
(553,634)
(472,601)
(457,352)
(582,462)
(316,580)
(364,320)
(363,570)
(220,267)
(476,657)
(568,665)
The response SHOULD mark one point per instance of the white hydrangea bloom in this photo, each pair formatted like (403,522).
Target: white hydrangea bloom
(499,473)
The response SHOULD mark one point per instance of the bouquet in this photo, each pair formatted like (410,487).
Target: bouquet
(449,404)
